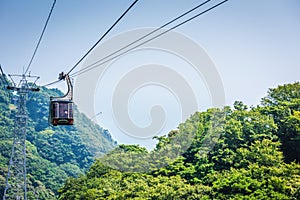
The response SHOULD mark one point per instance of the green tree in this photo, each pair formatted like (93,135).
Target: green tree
(261,174)
(283,104)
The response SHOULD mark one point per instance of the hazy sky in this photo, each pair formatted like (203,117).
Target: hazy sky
(254,44)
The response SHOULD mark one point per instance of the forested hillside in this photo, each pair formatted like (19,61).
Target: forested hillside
(237,152)
(53,153)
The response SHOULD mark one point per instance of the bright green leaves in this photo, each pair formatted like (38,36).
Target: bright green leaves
(257,182)
(228,154)
(281,94)
(283,105)
(241,129)
(116,185)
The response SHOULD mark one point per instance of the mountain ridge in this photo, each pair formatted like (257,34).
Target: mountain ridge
(53,153)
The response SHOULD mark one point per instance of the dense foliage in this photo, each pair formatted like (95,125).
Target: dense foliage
(53,153)
(235,153)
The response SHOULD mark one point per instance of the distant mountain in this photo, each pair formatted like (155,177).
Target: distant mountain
(53,153)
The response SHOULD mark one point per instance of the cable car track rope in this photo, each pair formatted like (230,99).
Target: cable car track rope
(40,39)
(143,37)
(148,34)
(102,36)
(92,66)
(80,60)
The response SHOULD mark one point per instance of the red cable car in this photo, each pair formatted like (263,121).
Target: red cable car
(61,108)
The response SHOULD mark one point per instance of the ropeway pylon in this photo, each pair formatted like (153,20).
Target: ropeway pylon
(15,187)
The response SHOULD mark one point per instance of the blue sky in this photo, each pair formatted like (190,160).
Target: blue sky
(253,44)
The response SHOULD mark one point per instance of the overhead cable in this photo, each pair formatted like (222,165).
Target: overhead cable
(102,37)
(40,39)
(92,66)
(150,33)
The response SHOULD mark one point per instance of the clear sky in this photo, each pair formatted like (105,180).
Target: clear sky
(254,45)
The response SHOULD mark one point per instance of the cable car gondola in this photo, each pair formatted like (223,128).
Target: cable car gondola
(61,108)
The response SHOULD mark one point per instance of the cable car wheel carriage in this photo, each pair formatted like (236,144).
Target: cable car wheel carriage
(61,108)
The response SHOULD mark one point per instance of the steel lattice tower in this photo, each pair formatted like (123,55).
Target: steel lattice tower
(15,187)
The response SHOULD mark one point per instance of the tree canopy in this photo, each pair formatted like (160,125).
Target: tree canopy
(234,153)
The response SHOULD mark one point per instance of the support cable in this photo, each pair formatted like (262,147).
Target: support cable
(90,67)
(102,37)
(115,23)
(150,33)
(97,64)
(40,39)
